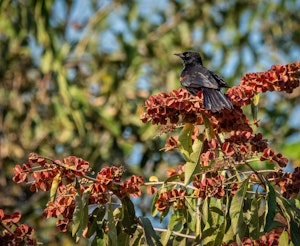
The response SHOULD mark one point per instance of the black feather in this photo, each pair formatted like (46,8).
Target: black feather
(196,77)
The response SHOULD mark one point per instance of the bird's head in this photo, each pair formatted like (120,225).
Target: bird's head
(190,57)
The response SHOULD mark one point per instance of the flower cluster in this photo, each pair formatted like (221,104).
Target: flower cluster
(278,78)
(42,171)
(210,186)
(179,105)
(242,143)
(13,234)
(238,147)
(269,154)
(289,183)
(174,197)
(241,95)
(47,174)
(166,107)
(63,205)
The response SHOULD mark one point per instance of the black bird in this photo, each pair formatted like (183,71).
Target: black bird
(196,77)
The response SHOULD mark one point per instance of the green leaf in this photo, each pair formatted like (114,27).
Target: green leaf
(54,185)
(112,233)
(284,239)
(165,237)
(173,178)
(96,221)
(295,229)
(176,223)
(254,106)
(185,141)
(214,229)
(129,220)
(197,148)
(180,241)
(236,211)
(220,235)
(254,227)
(77,215)
(292,215)
(123,239)
(151,238)
(137,238)
(192,218)
(270,208)
(80,215)
(154,210)
(190,169)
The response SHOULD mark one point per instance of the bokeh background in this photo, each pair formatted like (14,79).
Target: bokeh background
(74,76)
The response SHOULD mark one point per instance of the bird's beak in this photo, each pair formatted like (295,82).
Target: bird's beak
(179,54)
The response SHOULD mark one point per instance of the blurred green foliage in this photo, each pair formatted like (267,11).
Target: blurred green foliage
(74,76)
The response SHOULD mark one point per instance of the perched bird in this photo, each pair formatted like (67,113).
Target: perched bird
(196,77)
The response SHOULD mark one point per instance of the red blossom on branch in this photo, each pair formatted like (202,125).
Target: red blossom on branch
(12,233)
(169,198)
(210,186)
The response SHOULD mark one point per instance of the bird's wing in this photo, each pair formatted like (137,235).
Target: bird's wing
(198,77)
(219,79)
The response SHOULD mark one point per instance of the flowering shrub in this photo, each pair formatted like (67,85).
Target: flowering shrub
(216,198)
(76,199)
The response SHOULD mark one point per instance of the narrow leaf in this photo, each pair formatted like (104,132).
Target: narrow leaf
(254,106)
(112,233)
(54,185)
(236,211)
(254,220)
(129,219)
(271,207)
(284,239)
(165,237)
(185,141)
(77,214)
(151,238)
(190,169)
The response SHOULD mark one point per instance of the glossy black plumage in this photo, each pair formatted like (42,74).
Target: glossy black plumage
(196,77)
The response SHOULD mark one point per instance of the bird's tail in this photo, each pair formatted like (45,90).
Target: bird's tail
(215,100)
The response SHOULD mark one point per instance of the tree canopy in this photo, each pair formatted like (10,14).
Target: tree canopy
(74,77)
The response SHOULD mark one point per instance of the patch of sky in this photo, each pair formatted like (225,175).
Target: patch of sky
(81,11)
(108,42)
(127,132)
(59,12)
(244,21)
(207,48)
(71,73)
(247,55)
(226,34)
(197,35)
(150,10)
(231,64)
(59,148)
(119,26)
(217,58)
(294,118)
(94,88)
(135,155)
(215,13)
(103,3)
(36,50)
(143,82)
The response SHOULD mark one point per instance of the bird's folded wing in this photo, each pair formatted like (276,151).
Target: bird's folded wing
(219,79)
(198,79)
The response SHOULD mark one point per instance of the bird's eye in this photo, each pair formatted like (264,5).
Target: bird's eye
(186,54)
